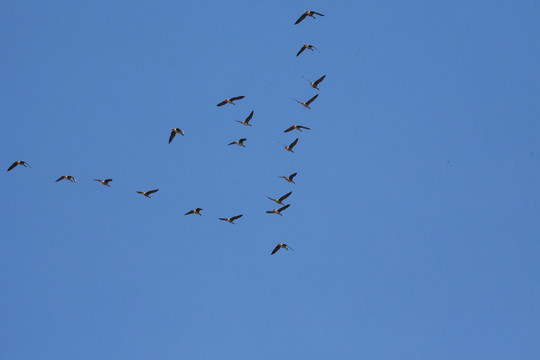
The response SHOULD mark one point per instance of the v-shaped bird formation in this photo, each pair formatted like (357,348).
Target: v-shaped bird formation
(240,142)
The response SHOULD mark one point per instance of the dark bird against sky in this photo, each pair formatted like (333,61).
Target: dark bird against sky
(148,193)
(239,142)
(104,182)
(297,127)
(174,132)
(195,211)
(290,178)
(280,200)
(19,162)
(230,101)
(280,246)
(316,83)
(246,122)
(231,220)
(307,13)
(278,211)
(67,177)
(306,46)
(306,104)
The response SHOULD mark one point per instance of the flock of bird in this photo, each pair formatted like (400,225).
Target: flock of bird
(239,142)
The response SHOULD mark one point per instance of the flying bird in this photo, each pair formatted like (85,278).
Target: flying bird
(239,142)
(306,104)
(246,122)
(306,46)
(67,177)
(280,200)
(104,182)
(307,13)
(148,193)
(290,178)
(174,132)
(195,211)
(314,84)
(274,211)
(290,147)
(297,127)
(19,162)
(230,101)
(231,220)
(280,246)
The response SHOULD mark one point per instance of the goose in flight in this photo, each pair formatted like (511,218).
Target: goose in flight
(230,101)
(231,220)
(306,104)
(307,13)
(195,211)
(274,211)
(297,127)
(280,200)
(280,246)
(19,162)
(148,193)
(290,178)
(316,83)
(306,46)
(246,122)
(239,142)
(174,132)
(104,182)
(290,147)
(67,177)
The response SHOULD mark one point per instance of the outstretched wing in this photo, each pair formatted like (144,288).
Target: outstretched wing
(303,127)
(301,50)
(316,13)
(275,250)
(293,144)
(249,117)
(190,212)
(237,98)
(222,103)
(152,191)
(312,99)
(292,175)
(60,178)
(318,81)
(173,134)
(107,181)
(284,207)
(285,196)
(289,129)
(241,141)
(232,143)
(12,166)
(302,17)
(224,219)
(236,217)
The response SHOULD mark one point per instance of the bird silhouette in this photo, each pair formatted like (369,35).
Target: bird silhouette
(195,211)
(290,178)
(67,177)
(230,101)
(280,246)
(290,147)
(280,200)
(19,162)
(239,142)
(316,83)
(231,220)
(307,13)
(306,46)
(246,122)
(174,132)
(297,127)
(148,193)
(278,211)
(306,104)
(104,182)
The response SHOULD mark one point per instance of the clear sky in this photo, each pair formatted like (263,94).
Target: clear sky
(415,217)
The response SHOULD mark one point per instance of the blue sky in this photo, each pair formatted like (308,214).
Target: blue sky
(414,218)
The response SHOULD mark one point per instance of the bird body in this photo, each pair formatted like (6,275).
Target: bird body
(195,211)
(306,46)
(246,122)
(316,83)
(278,211)
(174,132)
(239,142)
(306,104)
(280,200)
(231,220)
(230,101)
(104,182)
(307,13)
(290,178)
(280,246)
(148,193)
(67,177)
(19,162)
(297,127)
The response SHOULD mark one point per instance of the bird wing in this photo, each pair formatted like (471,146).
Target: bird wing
(285,196)
(249,117)
(301,50)
(181,132)
(269,212)
(60,178)
(275,250)
(302,17)
(152,191)
(284,207)
(236,217)
(292,175)
(234,142)
(224,219)
(173,134)
(12,166)
(316,13)
(241,141)
(293,144)
(289,129)
(237,98)
(312,99)
(318,81)
(140,192)
(107,181)
(190,212)
(222,103)
(303,127)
